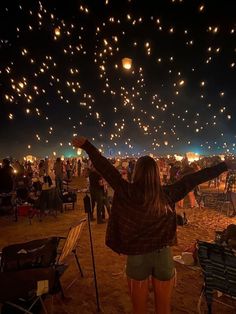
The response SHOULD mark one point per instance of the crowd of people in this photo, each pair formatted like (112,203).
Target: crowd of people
(42,183)
(142,220)
(44,173)
(15,172)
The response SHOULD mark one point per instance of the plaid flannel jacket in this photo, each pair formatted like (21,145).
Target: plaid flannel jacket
(131,230)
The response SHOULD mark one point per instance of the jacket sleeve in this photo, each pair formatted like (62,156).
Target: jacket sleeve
(181,188)
(103,166)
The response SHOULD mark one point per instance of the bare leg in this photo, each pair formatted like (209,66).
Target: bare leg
(139,295)
(162,293)
(192,199)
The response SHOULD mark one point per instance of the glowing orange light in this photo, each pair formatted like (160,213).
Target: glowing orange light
(127,63)
(57,31)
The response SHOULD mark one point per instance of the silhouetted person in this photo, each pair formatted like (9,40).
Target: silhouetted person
(6,177)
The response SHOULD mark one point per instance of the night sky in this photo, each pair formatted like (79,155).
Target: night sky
(61,74)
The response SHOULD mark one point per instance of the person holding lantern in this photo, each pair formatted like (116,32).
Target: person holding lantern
(142,223)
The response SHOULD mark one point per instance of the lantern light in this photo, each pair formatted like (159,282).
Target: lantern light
(127,63)
(57,31)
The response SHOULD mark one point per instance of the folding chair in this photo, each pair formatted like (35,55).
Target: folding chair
(24,205)
(69,198)
(207,199)
(70,246)
(49,202)
(25,289)
(36,258)
(28,255)
(219,270)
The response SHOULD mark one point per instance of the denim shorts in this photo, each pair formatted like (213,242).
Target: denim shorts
(158,264)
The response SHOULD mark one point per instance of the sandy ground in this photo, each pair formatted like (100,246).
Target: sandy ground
(110,267)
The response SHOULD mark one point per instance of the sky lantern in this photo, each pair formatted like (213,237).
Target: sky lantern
(57,31)
(127,63)
(30,158)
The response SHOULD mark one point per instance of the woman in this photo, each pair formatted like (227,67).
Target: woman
(142,223)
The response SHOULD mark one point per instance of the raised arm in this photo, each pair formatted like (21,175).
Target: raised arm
(102,165)
(181,188)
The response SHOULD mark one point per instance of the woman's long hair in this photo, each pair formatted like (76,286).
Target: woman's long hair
(147,176)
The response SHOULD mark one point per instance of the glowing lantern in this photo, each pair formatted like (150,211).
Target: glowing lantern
(57,31)
(30,158)
(192,156)
(79,151)
(21,84)
(178,158)
(127,63)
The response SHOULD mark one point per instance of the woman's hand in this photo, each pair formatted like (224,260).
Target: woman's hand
(78,141)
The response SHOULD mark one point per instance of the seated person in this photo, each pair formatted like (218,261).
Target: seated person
(37,185)
(47,183)
(229,236)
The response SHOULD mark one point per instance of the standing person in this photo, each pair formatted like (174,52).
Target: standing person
(29,170)
(96,192)
(19,170)
(68,169)
(58,170)
(6,177)
(105,200)
(41,169)
(142,223)
(173,171)
(165,171)
(79,167)
(130,170)
(73,165)
(46,166)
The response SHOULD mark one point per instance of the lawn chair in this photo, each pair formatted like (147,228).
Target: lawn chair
(70,246)
(28,255)
(69,198)
(26,289)
(24,205)
(224,202)
(219,270)
(36,259)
